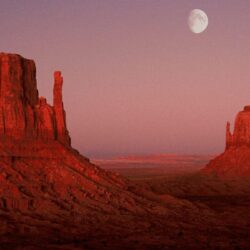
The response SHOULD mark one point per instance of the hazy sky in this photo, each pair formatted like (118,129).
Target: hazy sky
(136,80)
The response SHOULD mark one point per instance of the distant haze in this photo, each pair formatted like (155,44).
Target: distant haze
(136,80)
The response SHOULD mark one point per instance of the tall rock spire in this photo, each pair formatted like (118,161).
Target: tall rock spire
(60,116)
(229,137)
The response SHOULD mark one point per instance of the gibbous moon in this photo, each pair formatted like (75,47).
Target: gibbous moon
(197,21)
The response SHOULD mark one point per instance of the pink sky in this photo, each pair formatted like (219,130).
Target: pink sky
(136,80)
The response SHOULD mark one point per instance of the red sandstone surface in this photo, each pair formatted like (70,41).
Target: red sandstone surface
(51,197)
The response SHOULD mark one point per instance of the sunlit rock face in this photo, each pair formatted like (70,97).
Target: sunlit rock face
(22,113)
(235,160)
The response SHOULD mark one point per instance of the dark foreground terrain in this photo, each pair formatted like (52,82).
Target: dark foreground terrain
(68,203)
(227,200)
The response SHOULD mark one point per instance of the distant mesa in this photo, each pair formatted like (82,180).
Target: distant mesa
(235,160)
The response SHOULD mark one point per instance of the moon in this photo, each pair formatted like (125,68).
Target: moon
(197,21)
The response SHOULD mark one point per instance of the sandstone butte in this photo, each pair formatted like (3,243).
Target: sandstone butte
(38,164)
(50,194)
(235,160)
(24,115)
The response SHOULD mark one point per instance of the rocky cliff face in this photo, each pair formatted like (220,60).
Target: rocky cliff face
(236,158)
(23,115)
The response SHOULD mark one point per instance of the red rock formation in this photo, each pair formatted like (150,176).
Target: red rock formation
(241,135)
(62,134)
(46,124)
(48,191)
(51,197)
(229,136)
(22,114)
(236,158)
(18,95)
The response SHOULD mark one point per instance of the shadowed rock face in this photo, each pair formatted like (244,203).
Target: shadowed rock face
(236,158)
(22,113)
